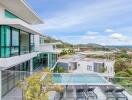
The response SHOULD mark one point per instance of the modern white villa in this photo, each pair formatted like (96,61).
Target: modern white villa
(23,51)
(81,64)
(22,47)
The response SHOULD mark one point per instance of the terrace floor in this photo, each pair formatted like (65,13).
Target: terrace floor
(70,94)
(14,94)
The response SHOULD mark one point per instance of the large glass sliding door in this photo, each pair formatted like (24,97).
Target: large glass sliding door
(24,44)
(9,44)
(5,41)
(14,42)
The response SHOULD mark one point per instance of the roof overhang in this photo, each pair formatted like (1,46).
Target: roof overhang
(21,9)
(17,23)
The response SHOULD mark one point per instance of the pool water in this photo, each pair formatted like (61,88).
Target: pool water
(78,78)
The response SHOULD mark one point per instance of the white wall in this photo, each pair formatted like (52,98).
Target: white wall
(110,68)
(1,12)
(109,65)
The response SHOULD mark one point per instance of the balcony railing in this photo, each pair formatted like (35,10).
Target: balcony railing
(24,49)
(46,48)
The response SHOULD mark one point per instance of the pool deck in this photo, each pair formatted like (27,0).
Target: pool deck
(70,94)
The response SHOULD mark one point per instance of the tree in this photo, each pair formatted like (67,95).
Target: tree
(59,69)
(122,74)
(37,86)
(120,65)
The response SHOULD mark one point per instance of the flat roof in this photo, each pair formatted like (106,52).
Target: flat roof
(96,52)
(21,9)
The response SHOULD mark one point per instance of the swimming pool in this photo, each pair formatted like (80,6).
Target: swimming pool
(77,79)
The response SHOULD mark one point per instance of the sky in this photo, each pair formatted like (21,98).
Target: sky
(105,22)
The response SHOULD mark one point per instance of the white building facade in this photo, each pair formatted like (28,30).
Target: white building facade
(20,43)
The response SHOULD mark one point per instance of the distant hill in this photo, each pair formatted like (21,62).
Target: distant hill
(90,45)
(120,47)
(61,44)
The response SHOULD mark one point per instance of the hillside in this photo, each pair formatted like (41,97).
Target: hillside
(61,44)
(89,45)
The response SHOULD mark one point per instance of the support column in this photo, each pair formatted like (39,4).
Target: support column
(31,66)
(51,60)
(0,85)
(48,60)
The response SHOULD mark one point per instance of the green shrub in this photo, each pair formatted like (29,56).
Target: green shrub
(59,69)
(122,74)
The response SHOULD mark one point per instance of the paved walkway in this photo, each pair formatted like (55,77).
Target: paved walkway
(14,94)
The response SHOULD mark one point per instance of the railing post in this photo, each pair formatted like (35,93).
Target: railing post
(31,66)
(0,84)
(48,60)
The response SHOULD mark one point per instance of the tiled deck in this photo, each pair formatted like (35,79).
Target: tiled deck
(14,94)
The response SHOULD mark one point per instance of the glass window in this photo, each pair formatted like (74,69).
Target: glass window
(9,14)
(2,36)
(14,51)
(15,37)
(7,52)
(2,52)
(32,42)
(7,35)
(9,42)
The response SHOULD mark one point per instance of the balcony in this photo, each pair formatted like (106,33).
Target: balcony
(46,48)
(11,61)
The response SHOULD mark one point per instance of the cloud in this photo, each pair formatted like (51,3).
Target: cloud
(97,15)
(73,16)
(109,30)
(92,33)
(91,37)
(118,36)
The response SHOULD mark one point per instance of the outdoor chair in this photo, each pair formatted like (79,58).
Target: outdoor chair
(119,95)
(108,92)
(80,94)
(90,93)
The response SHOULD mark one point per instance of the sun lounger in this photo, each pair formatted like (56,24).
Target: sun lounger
(90,93)
(80,94)
(118,93)
(108,92)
